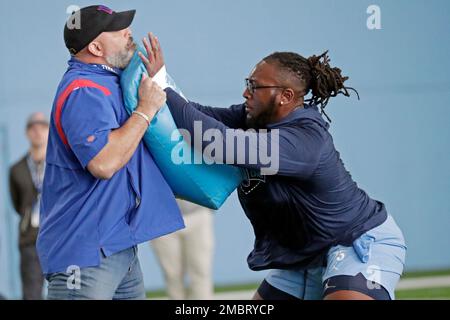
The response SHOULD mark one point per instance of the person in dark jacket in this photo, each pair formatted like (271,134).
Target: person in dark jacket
(25,181)
(319,233)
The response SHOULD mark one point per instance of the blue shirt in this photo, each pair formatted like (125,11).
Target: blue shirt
(309,205)
(82,216)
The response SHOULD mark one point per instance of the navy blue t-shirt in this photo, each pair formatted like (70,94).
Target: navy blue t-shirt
(309,205)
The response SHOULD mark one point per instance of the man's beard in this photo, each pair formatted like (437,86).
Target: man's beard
(261,120)
(123,57)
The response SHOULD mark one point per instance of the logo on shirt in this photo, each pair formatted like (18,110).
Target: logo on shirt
(253,180)
(105,67)
(90,139)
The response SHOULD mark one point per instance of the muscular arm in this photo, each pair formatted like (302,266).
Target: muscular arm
(122,144)
(108,148)
(232,117)
(287,151)
(292,152)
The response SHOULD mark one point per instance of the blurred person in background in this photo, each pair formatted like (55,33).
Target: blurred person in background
(25,183)
(188,253)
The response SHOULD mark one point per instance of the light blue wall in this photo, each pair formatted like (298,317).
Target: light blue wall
(395,141)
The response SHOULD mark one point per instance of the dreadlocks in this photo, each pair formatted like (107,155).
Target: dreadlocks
(316,74)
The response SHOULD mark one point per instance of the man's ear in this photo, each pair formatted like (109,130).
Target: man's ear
(96,48)
(288,96)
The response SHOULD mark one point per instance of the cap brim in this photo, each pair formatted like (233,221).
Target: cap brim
(121,20)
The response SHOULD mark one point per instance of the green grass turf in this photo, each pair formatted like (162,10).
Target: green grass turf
(425,293)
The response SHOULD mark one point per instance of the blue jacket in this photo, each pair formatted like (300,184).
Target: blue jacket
(82,216)
(309,205)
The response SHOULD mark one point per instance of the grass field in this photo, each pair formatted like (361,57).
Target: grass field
(430,273)
(425,293)
(422,293)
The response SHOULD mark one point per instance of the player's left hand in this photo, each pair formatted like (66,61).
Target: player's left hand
(155,58)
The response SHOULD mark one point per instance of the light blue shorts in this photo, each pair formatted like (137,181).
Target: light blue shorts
(379,255)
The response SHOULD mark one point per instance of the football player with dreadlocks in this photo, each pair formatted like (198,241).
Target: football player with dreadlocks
(320,235)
